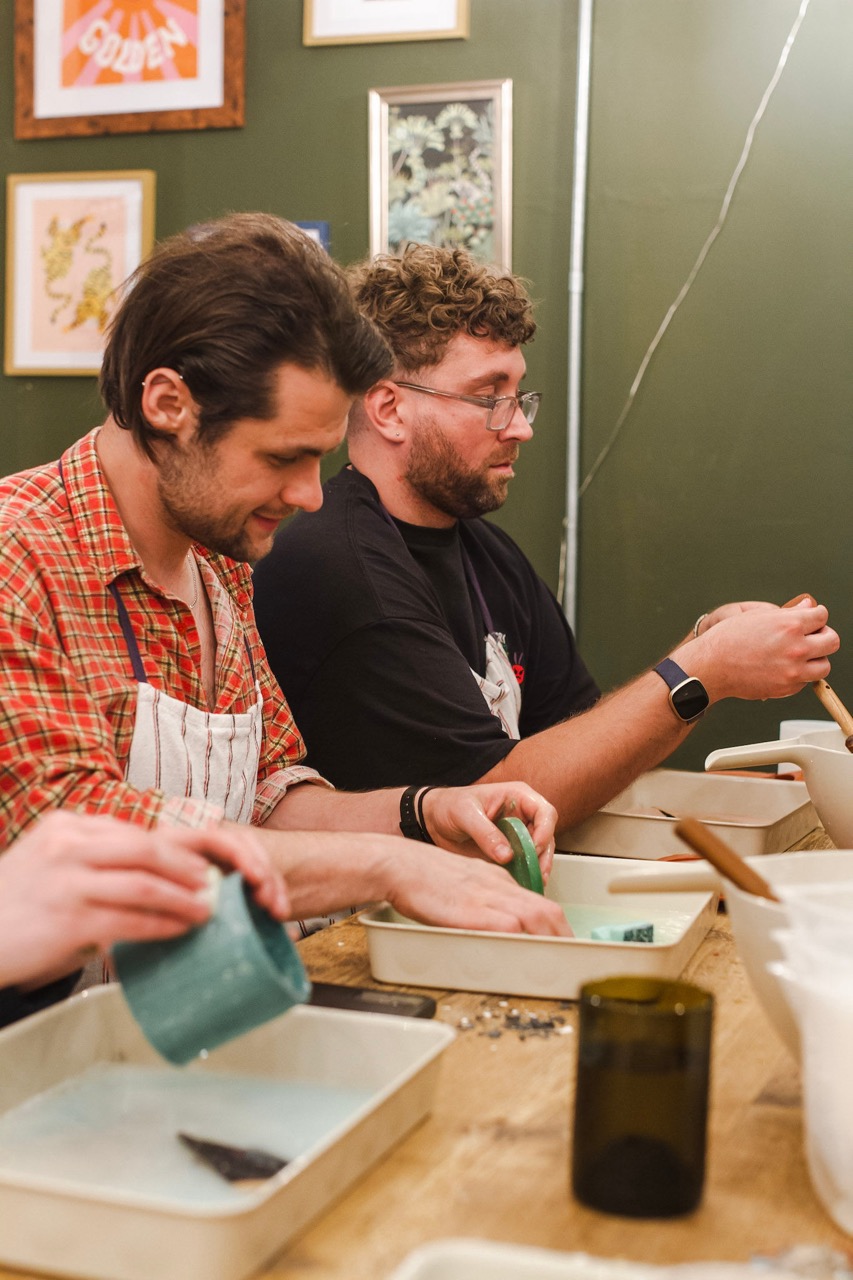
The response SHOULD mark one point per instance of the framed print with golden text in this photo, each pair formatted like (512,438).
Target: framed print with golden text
(86,67)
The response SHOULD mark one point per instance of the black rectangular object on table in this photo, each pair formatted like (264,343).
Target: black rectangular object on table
(365,1000)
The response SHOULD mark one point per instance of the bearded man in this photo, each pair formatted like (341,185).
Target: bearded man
(433,648)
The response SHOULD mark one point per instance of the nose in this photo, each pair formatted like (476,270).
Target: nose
(518,428)
(304,489)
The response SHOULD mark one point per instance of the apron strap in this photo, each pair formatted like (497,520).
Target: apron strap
(133,648)
(129,638)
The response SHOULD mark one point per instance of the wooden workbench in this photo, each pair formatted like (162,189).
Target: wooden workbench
(492,1160)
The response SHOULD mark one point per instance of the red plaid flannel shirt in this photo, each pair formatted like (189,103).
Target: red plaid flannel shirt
(67,689)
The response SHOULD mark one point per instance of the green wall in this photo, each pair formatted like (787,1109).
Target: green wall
(730,476)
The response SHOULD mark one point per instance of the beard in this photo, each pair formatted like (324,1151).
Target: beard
(190,490)
(436,472)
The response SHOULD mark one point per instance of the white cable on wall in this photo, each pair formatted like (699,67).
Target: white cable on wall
(567,588)
(703,252)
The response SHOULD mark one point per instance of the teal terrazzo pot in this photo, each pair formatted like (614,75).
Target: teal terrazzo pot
(216,982)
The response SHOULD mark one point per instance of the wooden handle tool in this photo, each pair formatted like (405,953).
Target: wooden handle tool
(829,699)
(720,855)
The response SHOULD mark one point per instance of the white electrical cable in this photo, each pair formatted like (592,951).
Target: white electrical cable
(703,252)
(567,588)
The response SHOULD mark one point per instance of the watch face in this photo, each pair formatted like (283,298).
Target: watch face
(690,699)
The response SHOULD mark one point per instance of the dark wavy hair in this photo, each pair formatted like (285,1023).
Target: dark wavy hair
(420,300)
(225,304)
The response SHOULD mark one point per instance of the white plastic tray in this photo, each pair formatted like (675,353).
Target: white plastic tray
(484,1260)
(524,965)
(753,815)
(63,1228)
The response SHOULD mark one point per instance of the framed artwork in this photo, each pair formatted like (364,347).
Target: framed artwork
(370,21)
(441,168)
(318,231)
(86,67)
(71,240)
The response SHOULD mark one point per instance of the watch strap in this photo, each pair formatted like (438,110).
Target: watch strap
(683,689)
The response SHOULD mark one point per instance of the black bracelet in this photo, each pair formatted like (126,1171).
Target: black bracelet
(419,805)
(411,814)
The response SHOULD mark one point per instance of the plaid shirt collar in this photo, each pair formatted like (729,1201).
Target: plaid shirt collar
(99,528)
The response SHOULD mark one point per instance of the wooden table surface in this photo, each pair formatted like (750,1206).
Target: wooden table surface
(492,1159)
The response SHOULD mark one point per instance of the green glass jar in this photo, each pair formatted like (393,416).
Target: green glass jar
(641,1099)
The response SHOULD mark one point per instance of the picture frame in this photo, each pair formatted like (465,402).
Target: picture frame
(319,231)
(71,240)
(109,67)
(376,21)
(441,168)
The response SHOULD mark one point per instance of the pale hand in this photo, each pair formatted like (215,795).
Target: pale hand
(75,884)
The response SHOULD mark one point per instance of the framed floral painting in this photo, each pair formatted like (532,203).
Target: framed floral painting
(441,168)
(72,239)
(87,67)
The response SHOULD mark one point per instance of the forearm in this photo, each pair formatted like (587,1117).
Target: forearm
(312,808)
(328,871)
(754,653)
(584,762)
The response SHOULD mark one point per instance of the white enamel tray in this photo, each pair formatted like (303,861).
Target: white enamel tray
(402,951)
(52,1224)
(753,815)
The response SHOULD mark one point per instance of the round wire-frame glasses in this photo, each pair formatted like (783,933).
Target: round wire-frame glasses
(500,410)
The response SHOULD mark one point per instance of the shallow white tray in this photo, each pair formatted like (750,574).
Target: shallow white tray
(753,815)
(62,1227)
(524,965)
(484,1260)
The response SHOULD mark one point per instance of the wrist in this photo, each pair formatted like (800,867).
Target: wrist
(412,822)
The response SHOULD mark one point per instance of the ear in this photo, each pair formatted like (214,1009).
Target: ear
(386,409)
(167,404)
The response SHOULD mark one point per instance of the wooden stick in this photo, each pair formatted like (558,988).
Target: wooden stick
(826,695)
(723,857)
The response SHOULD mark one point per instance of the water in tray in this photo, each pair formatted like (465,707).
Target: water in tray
(113,1128)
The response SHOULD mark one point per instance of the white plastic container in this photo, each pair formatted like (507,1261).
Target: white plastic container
(484,1260)
(403,951)
(57,1226)
(753,815)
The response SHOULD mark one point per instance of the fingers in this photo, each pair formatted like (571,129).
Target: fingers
(240,848)
(469,894)
(462,814)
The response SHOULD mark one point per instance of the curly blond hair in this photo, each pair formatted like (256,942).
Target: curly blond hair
(420,300)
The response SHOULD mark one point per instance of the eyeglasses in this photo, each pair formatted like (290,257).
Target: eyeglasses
(500,410)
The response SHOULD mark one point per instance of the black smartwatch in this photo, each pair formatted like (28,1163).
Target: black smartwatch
(688,697)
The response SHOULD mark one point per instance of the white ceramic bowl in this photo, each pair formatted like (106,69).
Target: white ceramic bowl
(827,768)
(755,920)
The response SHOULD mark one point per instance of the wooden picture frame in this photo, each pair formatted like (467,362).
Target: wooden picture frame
(376,21)
(72,239)
(104,68)
(441,168)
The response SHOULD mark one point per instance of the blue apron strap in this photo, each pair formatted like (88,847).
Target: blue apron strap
(249,656)
(129,637)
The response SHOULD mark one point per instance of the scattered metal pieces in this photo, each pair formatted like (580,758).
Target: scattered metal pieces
(493,1022)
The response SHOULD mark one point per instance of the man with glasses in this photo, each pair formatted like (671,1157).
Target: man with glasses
(431,648)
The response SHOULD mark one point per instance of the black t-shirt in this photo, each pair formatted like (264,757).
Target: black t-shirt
(372,627)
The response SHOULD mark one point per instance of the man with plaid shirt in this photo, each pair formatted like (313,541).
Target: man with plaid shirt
(133,680)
